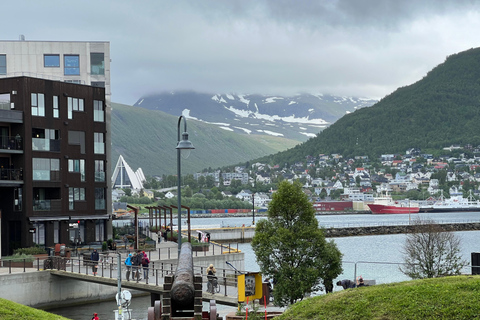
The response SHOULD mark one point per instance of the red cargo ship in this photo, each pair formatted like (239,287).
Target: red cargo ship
(392,209)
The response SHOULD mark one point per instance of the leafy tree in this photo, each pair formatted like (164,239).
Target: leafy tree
(291,248)
(210,181)
(431,252)
(188,191)
(128,192)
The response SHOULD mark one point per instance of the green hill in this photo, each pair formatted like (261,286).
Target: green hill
(440,298)
(147,139)
(441,109)
(14,311)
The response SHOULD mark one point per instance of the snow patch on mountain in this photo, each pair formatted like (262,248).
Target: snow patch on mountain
(226,128)
(273,99)
(219,99)
(292,118)
(229,96)
(310,135)
(242,99)
(276,134)
(292,102)
(244,129)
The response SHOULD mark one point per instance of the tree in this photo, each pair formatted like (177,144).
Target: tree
(291,248)
(431,252)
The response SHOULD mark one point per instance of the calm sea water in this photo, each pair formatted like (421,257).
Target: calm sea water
(373,257)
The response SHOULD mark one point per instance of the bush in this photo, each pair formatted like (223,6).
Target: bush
(29,251)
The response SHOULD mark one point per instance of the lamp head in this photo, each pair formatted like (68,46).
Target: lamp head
(185,145)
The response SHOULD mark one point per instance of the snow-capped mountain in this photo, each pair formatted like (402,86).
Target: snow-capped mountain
(297,117)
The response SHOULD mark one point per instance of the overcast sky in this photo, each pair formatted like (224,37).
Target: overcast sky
(364,48)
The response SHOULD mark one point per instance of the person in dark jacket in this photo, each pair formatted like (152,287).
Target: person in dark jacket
(94,257)
(137,265)
(346,284)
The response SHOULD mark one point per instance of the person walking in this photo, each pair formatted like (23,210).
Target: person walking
(145,263)
(128,264)
(137,265)
(95,317)
(94,257)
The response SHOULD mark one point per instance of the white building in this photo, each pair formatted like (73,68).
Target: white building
(124,177)
(69,61)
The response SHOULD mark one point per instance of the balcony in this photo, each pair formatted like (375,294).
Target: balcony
(41,144)
(13,143)
(11,116)
(52,205)
(11,174)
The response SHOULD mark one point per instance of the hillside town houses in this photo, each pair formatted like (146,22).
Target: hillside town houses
(331,177)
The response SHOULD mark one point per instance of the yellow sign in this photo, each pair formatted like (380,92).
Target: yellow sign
(249,285)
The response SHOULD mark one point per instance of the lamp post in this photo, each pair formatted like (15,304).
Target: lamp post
(186,145)
(253,207)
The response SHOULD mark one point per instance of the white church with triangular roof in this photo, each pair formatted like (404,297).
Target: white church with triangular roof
(124,177)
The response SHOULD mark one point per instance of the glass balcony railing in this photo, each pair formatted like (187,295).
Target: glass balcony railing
(40,144)
(41,205)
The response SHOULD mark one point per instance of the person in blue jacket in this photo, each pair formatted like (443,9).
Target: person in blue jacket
(128,264)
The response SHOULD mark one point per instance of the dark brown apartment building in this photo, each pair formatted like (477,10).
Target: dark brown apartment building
(53,160)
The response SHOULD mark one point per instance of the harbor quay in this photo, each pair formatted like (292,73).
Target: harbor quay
(39,288)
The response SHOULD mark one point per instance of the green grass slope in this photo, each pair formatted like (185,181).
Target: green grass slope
(441,298)
(147,140)
(14,311)
(441,109)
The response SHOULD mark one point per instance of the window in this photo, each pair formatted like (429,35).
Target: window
(56,111)
(99,144)
(71,65)
(38,104)
(77,138)
(98,114)
(99,171)
(97,63)
(45,139)
(51,61)
(3,64)
(99,198)
(99,84)
(46,169)
(74,104)
(75,194)
(78,166)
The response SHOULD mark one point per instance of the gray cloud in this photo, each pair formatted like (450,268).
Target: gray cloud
(346,47)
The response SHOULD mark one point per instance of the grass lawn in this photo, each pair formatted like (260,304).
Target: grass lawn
(455,297)
(14,311)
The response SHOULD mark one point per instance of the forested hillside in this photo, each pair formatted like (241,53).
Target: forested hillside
(441,109)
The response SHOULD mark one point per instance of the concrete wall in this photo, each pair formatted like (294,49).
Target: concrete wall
(41,289)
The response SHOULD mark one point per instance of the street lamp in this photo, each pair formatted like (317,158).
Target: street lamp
(185,145)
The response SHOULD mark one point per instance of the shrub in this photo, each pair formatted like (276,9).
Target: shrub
(30,251)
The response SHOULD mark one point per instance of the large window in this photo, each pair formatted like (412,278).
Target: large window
(98,114)
(77,166)
(46,169)
(71,65)
(75,194)
(3,64)
(74,104)
(99,143)
(99,170)
(99,198)
(38,104)
(51,61)
(77,138)
(97,63)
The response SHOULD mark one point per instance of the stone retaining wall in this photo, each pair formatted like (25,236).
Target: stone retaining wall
(367,231)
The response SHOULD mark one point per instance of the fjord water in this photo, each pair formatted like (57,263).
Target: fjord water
(375,257)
